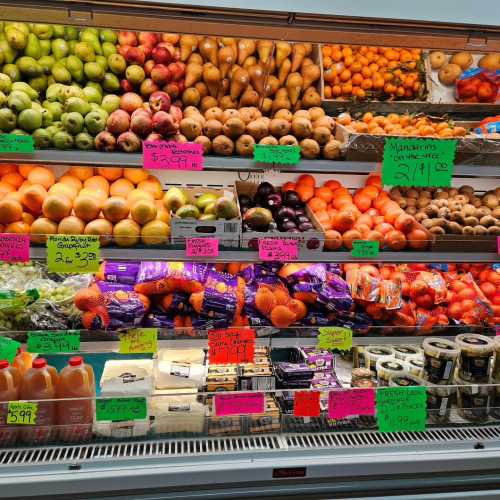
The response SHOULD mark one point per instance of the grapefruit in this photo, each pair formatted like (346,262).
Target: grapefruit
(102,228)
(13,178)
(5,188)
(72,181)
(56,207)
(64,189)
(126,233)
(121,187)
(135,175)
(143,211)
(25,169)
(18,227)
(139,194)
(155,232)
(33,197)
(28,218)
(42,176)
(110,173)
(115,209)
(71,225)
(40,228)
(97,182)
(82,173)
(152,185)
(10,211)
(94,193)
(87,207)
(15,195)
(7,168)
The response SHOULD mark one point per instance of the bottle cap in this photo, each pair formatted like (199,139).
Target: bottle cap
(4,363)
(39,363)
(76,361)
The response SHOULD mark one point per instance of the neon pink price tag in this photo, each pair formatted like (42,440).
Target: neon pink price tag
(497,330)
(280,250)
(202,247)
(14,247)
(342,404)
(239,404)
(169,155)
(498,245)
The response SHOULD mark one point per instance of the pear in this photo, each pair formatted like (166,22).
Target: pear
(33,48)
(9,54)
(85,51)
(45,47)
(239,82)
(283,50)
(265,49)
(46,62)
(60,73)
(310,74)
(246,47)
(188,44)
(212,77)
(226,58)
(230,42)
(258,78)
(75,66)
(194,72)
(249,61)
(174,199)
(27,89)
(29,67)
(208,49)
(285,68)
(272,85)
(294,86)
(43,31)
(298,54)
(16,38)
(60,48)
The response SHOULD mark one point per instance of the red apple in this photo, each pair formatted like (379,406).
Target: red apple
(182,85)
(160,74)
(148,38)
(159,101)
(123,49)
(105,141)
(146,50)
(161,55)
(178,103)
(148,87)
(141,111)
(164,124)
(172,89)
(148,66)
(118,122)
(126,86)
(176,112)
(177,70)
(147,108)
(127,38)
(130,101)
(167,46)
(141,123)
(154,136)
(129,142)
(135,56)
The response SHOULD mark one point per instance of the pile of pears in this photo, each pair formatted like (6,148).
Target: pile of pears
(57,83)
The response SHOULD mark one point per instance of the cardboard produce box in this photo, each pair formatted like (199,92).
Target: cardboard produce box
(310,242)
(228,232)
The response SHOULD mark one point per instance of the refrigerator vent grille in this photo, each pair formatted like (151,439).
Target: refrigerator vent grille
(172,448)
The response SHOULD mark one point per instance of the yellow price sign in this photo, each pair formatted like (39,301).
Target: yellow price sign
(73,253)
(19,413)
(139,340)
(335,337)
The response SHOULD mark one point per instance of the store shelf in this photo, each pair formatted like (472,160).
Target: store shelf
(319,465)
(220,163)
(137,253)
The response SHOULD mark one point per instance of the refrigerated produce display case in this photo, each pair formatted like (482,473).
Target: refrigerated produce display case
(249,253)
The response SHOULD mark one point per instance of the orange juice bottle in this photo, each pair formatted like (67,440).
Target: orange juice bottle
(10,383)
(23,362)
(39,383)
(75,416)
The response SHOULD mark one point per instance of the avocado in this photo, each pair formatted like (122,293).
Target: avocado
(188,212)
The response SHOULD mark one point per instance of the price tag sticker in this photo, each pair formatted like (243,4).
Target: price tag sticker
(20,413)
(121,409)
(169,155)
(139,340)
(335,337)
(363,248)
(498,246)
(245,403)
(306,404)
(278,249)
(418,162)
(233,345)
(349,402)
(269,153)
(73,253)
(202,247)
(14,247)
(42,342)
(13,143)
(401,409)
(8,349)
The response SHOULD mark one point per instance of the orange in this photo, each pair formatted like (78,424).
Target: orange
(336,90)
(305,192)
(333,239)
(370,191)
(362,201)
(332,185)
(33,197)
(345,75)
(25,169)
(135,175)
(326,50)
(282,317)
(298,308)
(317,204)
(110,173)
(42,176)
(121,187)
(357,79)
(366,72)
(115,209)
(306,179)
(328,92)
(7,168)
(13,178)
(346,88)
(10,211)
(71,180)
(368,117)
(324,193)
(97,182)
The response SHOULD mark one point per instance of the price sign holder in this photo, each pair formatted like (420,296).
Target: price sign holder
(73,253)
(21,413)
(14,247)
(13,143)
(306,404)
(230,346)
(42,342)
(169,155)
(335,337)
(139,341)
(269,153)
(278,249)
(418,162)
(121,409)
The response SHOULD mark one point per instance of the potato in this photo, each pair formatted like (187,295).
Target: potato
(487,221)
(490,200)
(411,210)
(423,202)
(420,216)
(453,228)
(468,190)
(437,230)
(468,210)
(480,230)
(494,230)
(471,221)
(441,195)
(468,230)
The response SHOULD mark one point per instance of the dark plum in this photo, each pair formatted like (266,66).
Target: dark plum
(245,201)
(306,226)
(287,226)
(285,213)
(291,199)
(265,189)
(274,201)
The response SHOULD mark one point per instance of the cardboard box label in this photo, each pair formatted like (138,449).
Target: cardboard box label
(169,155)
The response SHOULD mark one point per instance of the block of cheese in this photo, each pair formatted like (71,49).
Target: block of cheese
(182,355)
(127,377)
(179,375)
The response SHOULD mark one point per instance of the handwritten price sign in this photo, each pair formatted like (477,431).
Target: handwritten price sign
(202,247)
(231,346)
(53,342)
(121,409)
(8,349)
(418,162)
(364,248)
(401,409)
(268,153)
(168,155)
(14,247)
(20,413)
(245,403)
(278,249)
(13,143)
(335,337)
(73,254)
(342,404)
(139,340)
(306,404)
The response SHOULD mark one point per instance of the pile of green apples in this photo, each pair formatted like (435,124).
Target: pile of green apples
(58,83)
